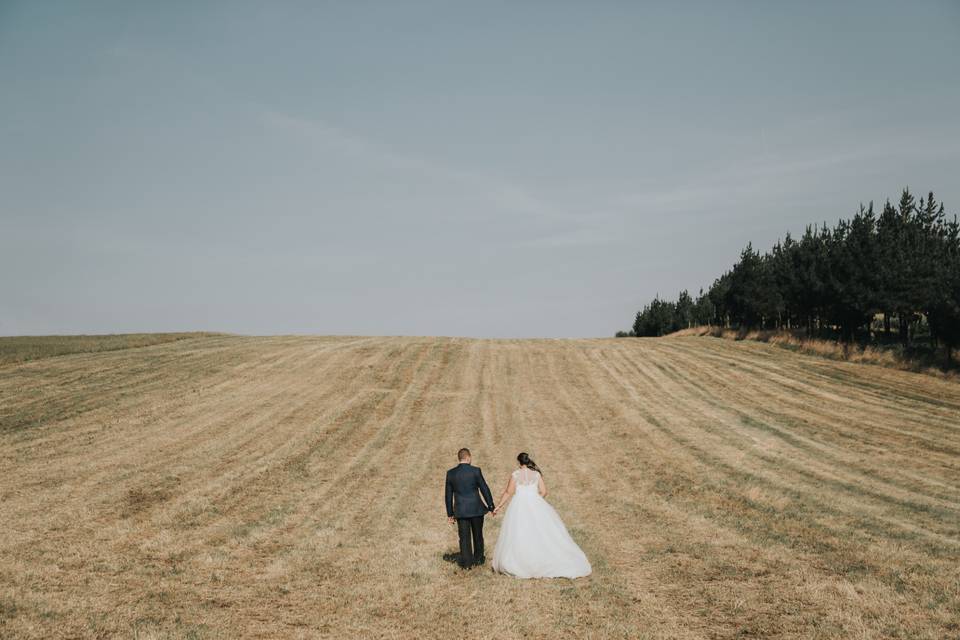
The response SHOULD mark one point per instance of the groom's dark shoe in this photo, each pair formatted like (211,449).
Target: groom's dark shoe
(479,561)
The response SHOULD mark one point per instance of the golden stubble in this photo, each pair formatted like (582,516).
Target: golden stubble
(224,487)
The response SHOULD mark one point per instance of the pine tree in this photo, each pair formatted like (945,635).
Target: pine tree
(684,311)
(891,266)
(852,280)
(903,293)
(718,295)
(703,311)
(903,263)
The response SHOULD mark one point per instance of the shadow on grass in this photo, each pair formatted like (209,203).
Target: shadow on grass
(453,558)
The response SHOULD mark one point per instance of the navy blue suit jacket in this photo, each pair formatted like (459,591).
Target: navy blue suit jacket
(465,484)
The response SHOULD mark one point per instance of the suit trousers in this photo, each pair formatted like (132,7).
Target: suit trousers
(470,530)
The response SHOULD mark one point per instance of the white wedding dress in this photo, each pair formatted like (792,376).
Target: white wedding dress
(533,542)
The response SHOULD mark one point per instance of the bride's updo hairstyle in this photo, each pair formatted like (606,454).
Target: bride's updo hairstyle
(525,460)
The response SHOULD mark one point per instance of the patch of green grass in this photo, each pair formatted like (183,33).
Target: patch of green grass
(156,627)
(8,609)
(25,348)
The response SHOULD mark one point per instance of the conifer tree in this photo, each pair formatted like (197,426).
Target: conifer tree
(903,263)
(684,311)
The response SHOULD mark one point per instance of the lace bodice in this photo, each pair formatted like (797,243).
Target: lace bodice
(525,477)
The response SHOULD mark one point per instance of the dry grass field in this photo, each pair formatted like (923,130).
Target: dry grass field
(24,348)
(291,487)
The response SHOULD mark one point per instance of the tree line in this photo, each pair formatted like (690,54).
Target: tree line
(889,277)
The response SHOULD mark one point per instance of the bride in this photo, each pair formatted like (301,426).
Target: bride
(533,541)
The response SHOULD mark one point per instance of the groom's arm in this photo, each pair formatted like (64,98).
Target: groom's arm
(485,491)
(448,497)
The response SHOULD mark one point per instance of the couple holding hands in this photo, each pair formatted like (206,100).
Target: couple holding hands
(533,542)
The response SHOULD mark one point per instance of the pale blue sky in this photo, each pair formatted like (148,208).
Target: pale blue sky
(442,168)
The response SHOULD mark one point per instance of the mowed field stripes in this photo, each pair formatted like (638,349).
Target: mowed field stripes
(223,486)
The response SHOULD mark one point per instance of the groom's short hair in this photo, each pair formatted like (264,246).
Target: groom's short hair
(463,454)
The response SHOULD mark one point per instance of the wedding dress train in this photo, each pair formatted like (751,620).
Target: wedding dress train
(533,541)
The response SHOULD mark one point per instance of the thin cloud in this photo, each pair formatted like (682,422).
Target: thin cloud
(502,194)
(767,178)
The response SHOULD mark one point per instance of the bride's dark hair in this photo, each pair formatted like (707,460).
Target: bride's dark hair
(525,460)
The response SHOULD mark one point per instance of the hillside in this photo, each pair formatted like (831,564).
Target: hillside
(224,486)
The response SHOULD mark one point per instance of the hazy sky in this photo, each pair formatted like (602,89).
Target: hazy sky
(442,168)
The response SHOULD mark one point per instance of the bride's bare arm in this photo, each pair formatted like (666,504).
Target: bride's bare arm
(541,487)
(511,487)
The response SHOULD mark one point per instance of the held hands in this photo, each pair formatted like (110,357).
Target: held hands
(451,519)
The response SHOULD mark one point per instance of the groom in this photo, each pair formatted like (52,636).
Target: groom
(465,484)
